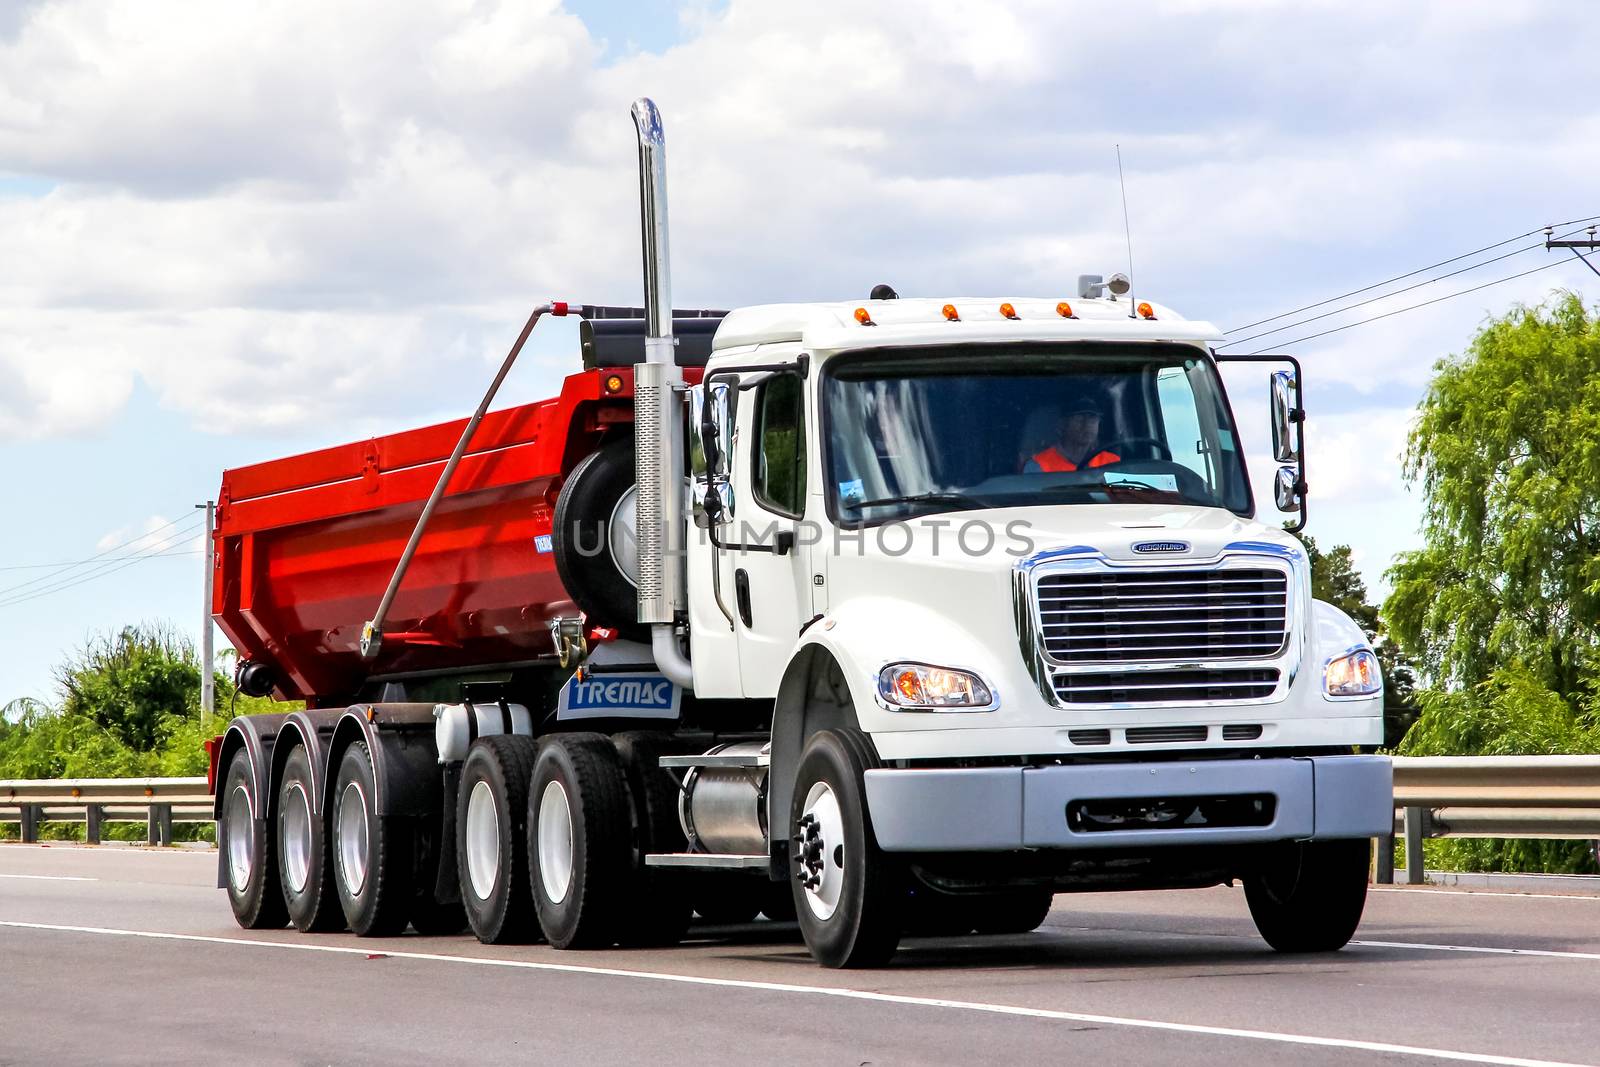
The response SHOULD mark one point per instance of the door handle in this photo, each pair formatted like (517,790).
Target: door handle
(741,594)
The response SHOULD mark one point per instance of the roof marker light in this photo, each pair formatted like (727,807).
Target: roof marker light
(1008,311)
(864,318)
(951,314)
(1146,311)
(1064,309)
(614,383)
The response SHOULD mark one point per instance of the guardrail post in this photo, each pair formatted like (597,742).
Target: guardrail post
(1385,871)
(160,828)
(1414,821)
(30,823)
(91,823)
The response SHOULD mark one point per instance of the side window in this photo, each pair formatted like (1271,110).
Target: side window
(1181,419)
(779,473)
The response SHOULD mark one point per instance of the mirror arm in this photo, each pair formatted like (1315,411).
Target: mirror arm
(1297,416)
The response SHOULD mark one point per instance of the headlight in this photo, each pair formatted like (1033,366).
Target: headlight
(1353,675)
(917,685)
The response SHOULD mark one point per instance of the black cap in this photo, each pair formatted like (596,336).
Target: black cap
(882,291)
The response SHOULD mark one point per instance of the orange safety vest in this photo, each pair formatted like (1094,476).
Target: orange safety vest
(1052,461)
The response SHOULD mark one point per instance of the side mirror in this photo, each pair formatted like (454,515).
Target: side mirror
(1286,417)
(711,451)
(1286,489)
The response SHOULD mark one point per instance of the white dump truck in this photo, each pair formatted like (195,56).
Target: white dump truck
(896,615)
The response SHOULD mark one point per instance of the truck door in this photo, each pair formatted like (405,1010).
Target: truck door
(770,588)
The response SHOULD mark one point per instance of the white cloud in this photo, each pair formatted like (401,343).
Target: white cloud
(313,215)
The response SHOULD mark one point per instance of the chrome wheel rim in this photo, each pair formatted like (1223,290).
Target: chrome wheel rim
(241,838)
(555,842)
(483,840)
(353,837)
(622,535)
(820,837)
(294,844)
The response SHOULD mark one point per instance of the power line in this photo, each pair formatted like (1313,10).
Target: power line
(1408,274)
(1413,307)
(101,571)
(91,559)
(1385,296)
(98,557)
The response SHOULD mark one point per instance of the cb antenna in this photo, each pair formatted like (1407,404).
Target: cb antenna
(1127,231)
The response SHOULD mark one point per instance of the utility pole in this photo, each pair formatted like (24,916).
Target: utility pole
(1573,246)
(208,682)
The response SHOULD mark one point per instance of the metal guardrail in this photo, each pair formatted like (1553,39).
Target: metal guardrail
(156,802)
(1556,797)
(1435,796)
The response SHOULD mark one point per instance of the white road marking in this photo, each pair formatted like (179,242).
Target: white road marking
(1496,894)
(841,993)
(1553,953)
(49,877)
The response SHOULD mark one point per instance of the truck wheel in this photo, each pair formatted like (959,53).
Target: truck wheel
(593,538)
(492,839)
(658,910)
(1308,897)
(847,892)
(372,853)
(303,861)
(578,840)
(253,889)
(1011,913)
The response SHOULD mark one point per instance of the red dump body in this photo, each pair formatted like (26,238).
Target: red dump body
(305,545)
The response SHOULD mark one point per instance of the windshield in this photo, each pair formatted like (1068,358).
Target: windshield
(1006,427)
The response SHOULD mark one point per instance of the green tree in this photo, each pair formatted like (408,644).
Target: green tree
(1500,608)
(1507,451)
(1334,578)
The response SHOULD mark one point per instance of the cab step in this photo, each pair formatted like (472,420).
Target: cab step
(719,759)
(709,860)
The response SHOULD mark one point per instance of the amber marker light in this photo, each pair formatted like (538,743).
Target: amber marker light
(1146,311)
(1064,309)
(864,318)
(614,383)
(951,314)
(1008,311)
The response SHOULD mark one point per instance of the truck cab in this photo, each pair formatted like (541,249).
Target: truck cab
(1014,542)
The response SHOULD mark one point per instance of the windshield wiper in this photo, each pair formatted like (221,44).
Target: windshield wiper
(937,497)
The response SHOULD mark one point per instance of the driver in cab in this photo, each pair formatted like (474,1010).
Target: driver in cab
(1077,441)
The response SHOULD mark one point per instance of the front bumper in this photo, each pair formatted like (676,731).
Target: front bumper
(990,809)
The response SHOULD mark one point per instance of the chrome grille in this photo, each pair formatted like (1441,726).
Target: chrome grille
(1178,614)
(1180,686)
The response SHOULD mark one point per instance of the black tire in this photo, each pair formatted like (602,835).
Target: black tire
(1011,912)
(1308,897)
(314,906)
(589,572)
(658,903)
(583,770)
(503,766)
(373,855)
(863,929)
(253,888)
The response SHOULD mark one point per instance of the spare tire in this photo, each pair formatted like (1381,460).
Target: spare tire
(593,538)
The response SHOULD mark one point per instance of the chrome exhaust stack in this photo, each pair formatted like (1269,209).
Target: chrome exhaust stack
(658,416)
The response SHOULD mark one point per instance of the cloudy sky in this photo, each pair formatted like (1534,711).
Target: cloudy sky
(235,231)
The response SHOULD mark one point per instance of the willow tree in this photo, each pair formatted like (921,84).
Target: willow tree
(1500,609)
(1506,450)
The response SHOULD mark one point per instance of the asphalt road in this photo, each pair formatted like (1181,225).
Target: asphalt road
(130,956)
